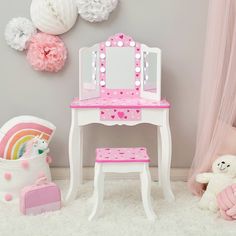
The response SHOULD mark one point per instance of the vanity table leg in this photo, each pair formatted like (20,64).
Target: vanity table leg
(166,161)
(75,157)
(80,157)
(159,153)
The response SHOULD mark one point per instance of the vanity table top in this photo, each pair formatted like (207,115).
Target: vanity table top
(119,103)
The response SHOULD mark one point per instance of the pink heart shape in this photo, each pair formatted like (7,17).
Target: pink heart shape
(120,114)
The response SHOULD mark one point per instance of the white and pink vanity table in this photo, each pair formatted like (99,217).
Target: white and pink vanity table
(120,84)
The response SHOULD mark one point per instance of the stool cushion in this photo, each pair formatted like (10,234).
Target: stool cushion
(137,154)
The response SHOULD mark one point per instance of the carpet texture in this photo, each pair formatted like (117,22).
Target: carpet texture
(123,215)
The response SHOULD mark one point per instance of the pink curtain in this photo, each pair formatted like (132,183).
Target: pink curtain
(217,111)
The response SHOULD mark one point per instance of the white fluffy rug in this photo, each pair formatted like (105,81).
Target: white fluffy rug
(123,215)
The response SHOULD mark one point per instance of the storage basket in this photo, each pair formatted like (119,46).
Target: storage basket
(16,174)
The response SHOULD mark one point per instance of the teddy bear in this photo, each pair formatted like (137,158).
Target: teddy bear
(223,174)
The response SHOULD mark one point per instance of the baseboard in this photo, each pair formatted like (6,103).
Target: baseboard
(177,174)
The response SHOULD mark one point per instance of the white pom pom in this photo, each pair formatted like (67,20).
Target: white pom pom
(18,31)
(53,16)
(96,10)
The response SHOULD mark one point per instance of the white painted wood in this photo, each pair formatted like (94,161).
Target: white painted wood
(123,167)
(146,192)
(93,93)
(142,168)
(166,159)
(159,153)
(83,116)
(80,157)
(146,94)
(98,191)
(74,157)
(62,173)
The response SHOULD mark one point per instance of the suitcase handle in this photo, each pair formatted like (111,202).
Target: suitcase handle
(41,181)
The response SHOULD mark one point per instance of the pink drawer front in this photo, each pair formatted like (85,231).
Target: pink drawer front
(120,114)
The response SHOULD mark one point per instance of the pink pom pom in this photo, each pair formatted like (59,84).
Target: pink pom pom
(24,164)
(46,52)
(8,197)
(7,176)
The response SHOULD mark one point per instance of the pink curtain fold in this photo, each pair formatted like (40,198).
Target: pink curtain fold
(217,108)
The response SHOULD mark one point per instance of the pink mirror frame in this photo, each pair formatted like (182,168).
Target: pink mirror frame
(119,40)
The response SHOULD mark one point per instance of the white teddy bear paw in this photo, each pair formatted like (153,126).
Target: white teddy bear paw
(201,178)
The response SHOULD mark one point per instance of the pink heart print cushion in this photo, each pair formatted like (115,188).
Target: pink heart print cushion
(227,202)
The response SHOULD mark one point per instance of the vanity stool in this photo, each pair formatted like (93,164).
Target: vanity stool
(122,160)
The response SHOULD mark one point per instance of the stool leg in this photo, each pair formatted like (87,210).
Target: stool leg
(146,192)
(98,191)
(159,153)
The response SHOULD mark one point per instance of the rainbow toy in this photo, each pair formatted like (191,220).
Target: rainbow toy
(16,132)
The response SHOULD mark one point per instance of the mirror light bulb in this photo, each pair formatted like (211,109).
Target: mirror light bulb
(137,82)
(137,56)
(102,69)
(132,43)
(137,69)
(108,43)
(102,82)
(102,55)
(120,43)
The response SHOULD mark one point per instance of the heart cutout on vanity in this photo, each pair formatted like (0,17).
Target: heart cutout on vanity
(120,114)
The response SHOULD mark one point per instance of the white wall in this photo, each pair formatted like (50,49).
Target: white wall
(176,26)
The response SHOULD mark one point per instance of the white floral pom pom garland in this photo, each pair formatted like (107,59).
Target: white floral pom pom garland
(96,10)
(18,31)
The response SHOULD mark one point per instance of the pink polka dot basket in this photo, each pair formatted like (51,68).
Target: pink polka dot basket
(16,174)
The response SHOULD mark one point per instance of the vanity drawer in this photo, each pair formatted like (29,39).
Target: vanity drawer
(120,114)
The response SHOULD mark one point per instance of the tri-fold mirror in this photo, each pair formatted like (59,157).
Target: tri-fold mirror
(120,67)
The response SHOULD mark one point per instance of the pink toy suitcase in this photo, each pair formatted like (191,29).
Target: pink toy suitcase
(42,197)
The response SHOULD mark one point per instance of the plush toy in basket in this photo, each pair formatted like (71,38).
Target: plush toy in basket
(41,197)
(223,174)
(35,147)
